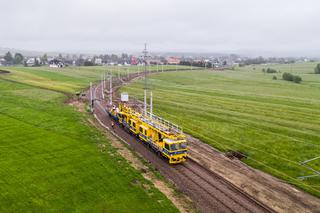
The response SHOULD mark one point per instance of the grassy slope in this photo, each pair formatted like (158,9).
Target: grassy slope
(50,158)
(275,122)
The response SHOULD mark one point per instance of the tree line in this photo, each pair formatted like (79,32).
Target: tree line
(18,58)
(317,69)
(200,63)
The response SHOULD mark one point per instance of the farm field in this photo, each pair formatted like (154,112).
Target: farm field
(50,157)
(275,123)
(71,79)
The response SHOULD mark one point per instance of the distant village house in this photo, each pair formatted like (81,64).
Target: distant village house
(31,62)
(173,60)
(55,63)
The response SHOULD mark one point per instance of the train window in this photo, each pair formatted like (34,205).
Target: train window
(183,145)
(174,146)
(133,124)
(145,132)
(140,129)
(166,146)
(160,137)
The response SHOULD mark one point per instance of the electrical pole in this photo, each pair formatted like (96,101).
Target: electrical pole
(102,86)
(151,104)
(110,95)
(91,98)
(145,52)
(102,80)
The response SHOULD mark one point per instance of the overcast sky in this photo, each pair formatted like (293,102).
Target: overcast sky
(262,27)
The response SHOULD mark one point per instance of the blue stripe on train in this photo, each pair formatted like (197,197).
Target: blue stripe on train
(174,153)
(113,116)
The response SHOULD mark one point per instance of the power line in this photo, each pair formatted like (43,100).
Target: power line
(304,164)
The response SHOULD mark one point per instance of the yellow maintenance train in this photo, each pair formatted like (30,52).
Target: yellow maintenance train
(165,138)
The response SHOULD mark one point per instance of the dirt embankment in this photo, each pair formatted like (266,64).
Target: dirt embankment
(4,72)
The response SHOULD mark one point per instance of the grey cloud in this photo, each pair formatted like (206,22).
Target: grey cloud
(282,27)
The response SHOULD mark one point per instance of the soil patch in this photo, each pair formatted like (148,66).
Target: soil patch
(78,105)
(4,72)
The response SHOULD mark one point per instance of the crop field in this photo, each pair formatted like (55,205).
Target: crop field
(275,123)
(51,158)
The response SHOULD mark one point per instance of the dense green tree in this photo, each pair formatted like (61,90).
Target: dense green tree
(88,63)
(44,58)
(317,69)
(36,62)
(270,70)
(8,57)
(289,77)
(296,79)
(18,58)
(114,58)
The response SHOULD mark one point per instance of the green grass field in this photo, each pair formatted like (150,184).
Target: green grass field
(276,123)
(50,160)
(71,79)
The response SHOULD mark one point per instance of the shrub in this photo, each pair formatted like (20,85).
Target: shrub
(88,63)
(289,77)
(297,79)
(317,69)
(274,77)
(263,70)
(269,70)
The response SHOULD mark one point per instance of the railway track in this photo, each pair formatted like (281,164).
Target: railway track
(229,190)
(209,191)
